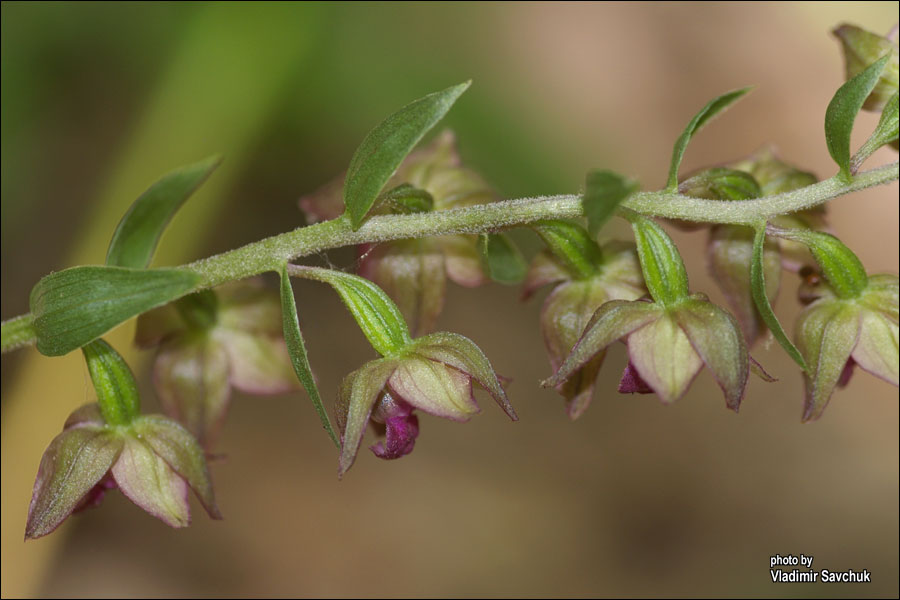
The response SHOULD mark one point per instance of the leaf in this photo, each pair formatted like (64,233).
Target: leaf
(603,192)
(407,199)
(886,132)
(572,245)
(843,269)
(501,258)
(758,290)
(77,305)
(117,392)
(720,183)
(709,111)
(385,147)
(137,234)
(376,314)
(297,349)
(661,263)
(842,111)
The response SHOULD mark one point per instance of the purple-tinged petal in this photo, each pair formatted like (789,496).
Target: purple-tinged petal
(717,340)
(664,358)
(877,350)
(883,296)
(326,202)
(462,260)
(190,376)
(181,451)
(463,354)
(148,481)
(260,363)
(544,270)
(757,369)
(401,428)
(827,333)
(412,273)
(87,414)
(631,382)
(158,324)
(358,392)
(621,271)
(434,387)
(95,496)
(612,321)
(75,461)
(847,373)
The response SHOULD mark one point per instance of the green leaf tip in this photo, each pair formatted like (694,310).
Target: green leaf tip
(603,192)
(135,239)
(502,259)
(842,110)
(712,108)
(385,147)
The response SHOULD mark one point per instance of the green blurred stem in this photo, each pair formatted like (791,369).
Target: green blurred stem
(270,253)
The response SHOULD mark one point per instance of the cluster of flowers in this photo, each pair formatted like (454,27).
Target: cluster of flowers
(635,292)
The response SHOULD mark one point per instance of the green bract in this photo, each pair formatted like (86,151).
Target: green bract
(603,192)
(502,260)
(663,268)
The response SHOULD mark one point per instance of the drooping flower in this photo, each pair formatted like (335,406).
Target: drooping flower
(570,306)
(211,341)
(836,334)
(861,49)
(414,272)
(433,373)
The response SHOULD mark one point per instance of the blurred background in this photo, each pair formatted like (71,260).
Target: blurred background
(634,499)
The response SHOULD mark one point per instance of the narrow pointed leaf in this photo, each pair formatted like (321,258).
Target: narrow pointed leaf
(385,147)
(886,132)
(841,267)
(376,314)
(842,111)
(297,348)
(572,245)
(137,234)
(78,305)
(709,111)
(758,290)
(502,259)
(603,192)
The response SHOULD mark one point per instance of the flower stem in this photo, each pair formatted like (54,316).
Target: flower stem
(270,253)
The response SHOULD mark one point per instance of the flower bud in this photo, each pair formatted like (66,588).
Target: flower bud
(861,49)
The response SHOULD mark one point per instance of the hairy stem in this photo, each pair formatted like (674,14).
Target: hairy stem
(270,253)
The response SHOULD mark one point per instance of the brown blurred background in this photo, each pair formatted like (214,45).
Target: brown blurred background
(634,499)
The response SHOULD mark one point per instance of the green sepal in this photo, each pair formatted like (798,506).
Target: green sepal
(843,270)
(407,199)
(376,314)
(706,113)
(661,263)
(117,392)
(199,310)
(603,192)
(502,259)
(293,337)
(572,245)
(385,147)
(137,234)
(842,111)
(761,299)
(77,305)
(720,183)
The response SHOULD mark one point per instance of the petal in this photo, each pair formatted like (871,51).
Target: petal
(326,202)
(260,363)
(462,260)
(827,332)
(75,461)
(631,382)
(730,251)
(882,295)
(716,338)
(156,325)
(175,445)
(664,358)
(190,376)
(621,271)
(149,482)
(612,321)
(401,428)
(877,350)
(358,393)
(249,306)
(88,414)
(435,388)
(412,273)
(578,390)
(463,354)
(544,269)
